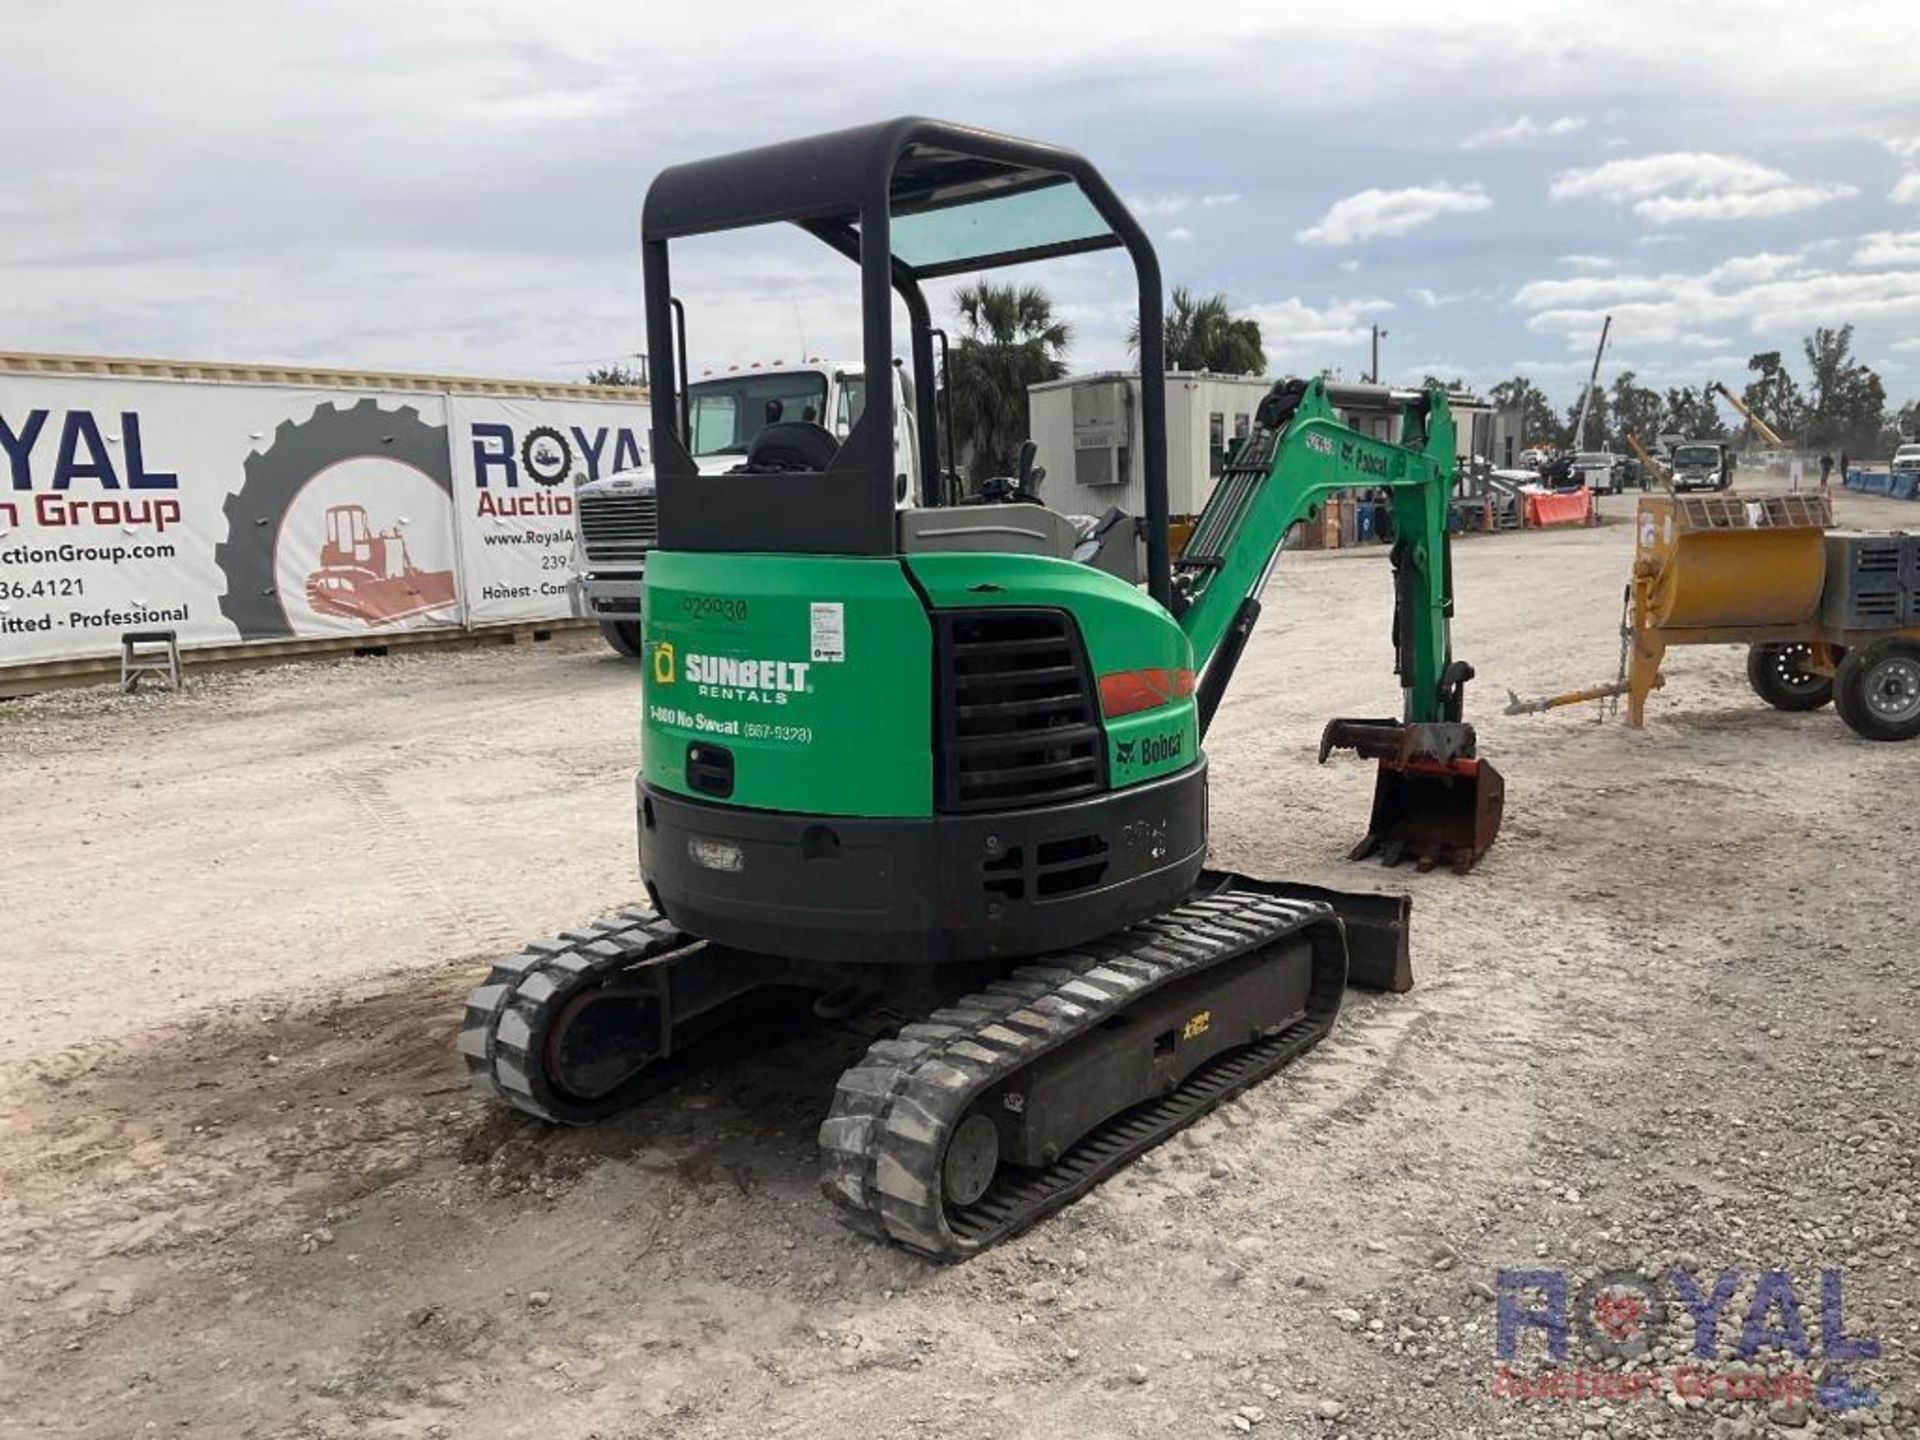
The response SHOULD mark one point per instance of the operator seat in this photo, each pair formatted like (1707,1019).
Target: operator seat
(791,445)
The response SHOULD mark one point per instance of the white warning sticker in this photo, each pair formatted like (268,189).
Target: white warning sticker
(829,631)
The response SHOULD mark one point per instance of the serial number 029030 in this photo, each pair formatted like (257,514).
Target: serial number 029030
(790,734)
(717,607)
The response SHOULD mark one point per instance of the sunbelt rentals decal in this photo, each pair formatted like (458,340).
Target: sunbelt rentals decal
(723,677)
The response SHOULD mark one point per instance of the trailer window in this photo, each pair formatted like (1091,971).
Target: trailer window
(1216,444)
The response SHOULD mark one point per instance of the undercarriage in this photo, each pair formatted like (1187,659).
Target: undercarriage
(1018,1087)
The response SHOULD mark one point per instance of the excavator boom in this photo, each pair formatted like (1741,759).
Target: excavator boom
(1435,799)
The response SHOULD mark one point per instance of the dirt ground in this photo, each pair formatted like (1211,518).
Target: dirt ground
(1671,1021)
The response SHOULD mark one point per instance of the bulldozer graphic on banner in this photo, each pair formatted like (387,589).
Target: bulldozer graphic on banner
(367,574)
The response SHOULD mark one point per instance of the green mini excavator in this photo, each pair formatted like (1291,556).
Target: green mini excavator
(947,756)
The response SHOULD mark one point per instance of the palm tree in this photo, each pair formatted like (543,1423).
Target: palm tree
(1203,334)
(1011,341)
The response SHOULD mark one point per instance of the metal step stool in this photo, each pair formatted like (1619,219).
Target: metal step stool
(148,652)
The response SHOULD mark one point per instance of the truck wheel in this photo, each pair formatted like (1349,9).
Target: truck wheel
(1877,690)
(623,635)
(1779,676)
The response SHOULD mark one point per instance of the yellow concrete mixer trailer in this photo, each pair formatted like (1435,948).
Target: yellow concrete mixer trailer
(1827,615)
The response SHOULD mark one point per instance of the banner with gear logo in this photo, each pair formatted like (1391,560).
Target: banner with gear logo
(231,512)
(516,463)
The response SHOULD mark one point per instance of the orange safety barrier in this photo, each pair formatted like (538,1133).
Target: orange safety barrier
(1573,508)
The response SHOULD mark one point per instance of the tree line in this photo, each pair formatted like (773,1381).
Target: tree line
(1010,338)
(1837,404)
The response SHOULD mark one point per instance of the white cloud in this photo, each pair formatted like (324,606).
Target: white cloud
(1293,331)
(1590,290)
(1175,204)
(1589,262)
(1757,293)
(1523,130)
(1907,147)
(1372,214)
(1906,190)
(1349,267)
(1693,185)
(1748,269)
(1912,342)
(1748,205)
(1889,247)
(1179,233)
(1428,299)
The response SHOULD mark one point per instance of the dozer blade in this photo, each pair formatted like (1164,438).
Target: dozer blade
(1434,801)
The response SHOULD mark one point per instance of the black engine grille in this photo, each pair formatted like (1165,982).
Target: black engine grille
(619,527)
(1018,720)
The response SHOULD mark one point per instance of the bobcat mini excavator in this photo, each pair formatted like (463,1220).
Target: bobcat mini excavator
(950,756)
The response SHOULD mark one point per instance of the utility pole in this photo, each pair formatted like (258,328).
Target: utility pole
(1373,374)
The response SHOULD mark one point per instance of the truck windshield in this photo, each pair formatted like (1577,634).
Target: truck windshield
(728,413)
(1696,455)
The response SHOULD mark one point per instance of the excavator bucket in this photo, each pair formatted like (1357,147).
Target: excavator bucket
(1434,801)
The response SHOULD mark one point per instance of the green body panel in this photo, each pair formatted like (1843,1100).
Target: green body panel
(1316,457)
(1123,630)
(809,733)
(815,671)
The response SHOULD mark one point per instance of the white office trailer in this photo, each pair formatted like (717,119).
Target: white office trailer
(1088,431)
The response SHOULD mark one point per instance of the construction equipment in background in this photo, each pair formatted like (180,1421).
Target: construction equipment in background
(949,759)
(1760,427)
(1826,615)
(1653,470)
(1593,379)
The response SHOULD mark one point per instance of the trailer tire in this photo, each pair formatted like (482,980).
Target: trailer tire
(1779,676)
(275,476)
(1877,690)
(623,636)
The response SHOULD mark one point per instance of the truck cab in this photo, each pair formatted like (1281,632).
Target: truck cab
(618,513)
(1598,470)
(1699,465)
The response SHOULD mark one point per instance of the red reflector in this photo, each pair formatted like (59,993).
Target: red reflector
(1125,692)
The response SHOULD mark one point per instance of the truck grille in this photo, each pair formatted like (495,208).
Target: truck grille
(1018,724)
(619,528)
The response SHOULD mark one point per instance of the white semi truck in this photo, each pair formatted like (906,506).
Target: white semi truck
(618,513)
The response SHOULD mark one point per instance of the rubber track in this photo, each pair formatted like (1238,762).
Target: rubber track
(503,1035)
(884,1140)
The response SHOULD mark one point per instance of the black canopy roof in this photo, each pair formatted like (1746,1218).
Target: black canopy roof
(960,198)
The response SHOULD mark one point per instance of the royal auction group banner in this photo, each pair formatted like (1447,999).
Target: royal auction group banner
(232,512)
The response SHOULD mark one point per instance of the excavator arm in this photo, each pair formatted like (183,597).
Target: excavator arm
(1761,428)
(1434,798)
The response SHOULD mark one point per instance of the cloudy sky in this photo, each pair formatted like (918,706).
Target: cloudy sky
(456,186)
